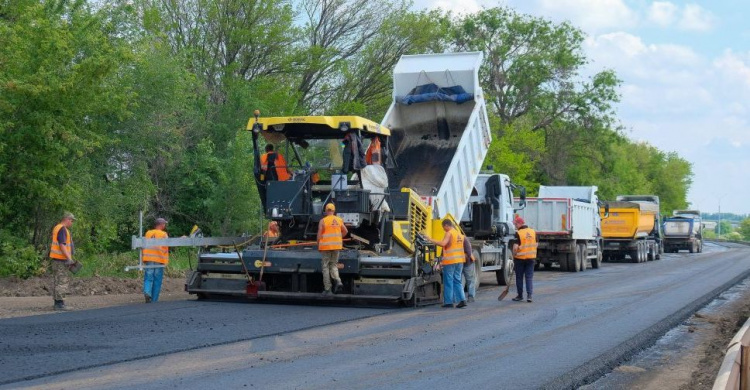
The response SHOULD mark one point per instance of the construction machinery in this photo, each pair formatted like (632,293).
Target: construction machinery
(683,231)
(435,137)
(488,222)
(633,229)
(568,226)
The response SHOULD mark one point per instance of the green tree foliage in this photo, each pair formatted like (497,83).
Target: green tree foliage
(723,228)
(744,229)
(115,106)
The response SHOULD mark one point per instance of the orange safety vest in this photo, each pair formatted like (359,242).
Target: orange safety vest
(331,239)
(454,252)
(373,152)
(280,165)
(56,250)
(270,234)
(527,246)
(157,254)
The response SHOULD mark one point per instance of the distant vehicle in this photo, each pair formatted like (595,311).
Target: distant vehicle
(683,231)
(568,227)
(633,229)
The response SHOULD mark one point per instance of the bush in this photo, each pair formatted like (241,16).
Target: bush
(18,258)
(733,236)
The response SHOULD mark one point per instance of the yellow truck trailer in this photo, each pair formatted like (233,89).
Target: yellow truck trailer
(632,229)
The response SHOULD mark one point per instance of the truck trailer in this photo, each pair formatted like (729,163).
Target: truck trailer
(568,227)
(632,229)
(683,231)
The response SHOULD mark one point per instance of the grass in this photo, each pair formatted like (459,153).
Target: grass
(113,264)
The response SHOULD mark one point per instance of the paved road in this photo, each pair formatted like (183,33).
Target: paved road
(578,327)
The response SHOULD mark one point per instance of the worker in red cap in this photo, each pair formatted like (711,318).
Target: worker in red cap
(524,257)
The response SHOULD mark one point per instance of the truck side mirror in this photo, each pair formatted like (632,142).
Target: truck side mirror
(522,203)
(606,210)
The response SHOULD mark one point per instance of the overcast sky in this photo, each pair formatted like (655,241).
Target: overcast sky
(685,67)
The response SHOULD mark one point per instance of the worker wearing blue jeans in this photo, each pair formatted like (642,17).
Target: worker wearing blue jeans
(469,271)
(152,278)
(452,264)
(524,257)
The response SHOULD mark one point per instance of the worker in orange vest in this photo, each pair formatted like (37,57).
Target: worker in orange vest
(61,255)
(273,165)
(373,155)
(452,264)
(157,257)
(272,233)
(524,257)
(331,232)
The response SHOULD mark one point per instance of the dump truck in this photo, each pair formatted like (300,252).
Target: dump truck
(434,139)
(488,223)
(632,229)
(683,231)
(568,226)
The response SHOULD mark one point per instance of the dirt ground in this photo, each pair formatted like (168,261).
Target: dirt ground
(19,297)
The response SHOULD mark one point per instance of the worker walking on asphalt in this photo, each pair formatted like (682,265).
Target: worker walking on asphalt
(469,270)
(331,232)
(452,264)
(61,255)
(157,257)
(273,166)
(524,258)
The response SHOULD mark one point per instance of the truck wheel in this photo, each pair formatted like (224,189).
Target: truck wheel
(584,260)
(504,275)
(574,264)
(692,248)
(635,256)
(595,263)
(477,267)
(563,261)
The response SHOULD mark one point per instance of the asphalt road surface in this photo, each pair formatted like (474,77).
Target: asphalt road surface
(578,328)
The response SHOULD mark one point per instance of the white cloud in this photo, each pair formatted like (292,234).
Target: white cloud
(590,15)
(456,6)
(734,68)
(696,18)
(663,13)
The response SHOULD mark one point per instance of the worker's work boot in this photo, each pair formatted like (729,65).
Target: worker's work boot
(60,305)
(461,305)
(528,299)
(327,293)
(518,298)
(147,297)
(471,299)
(339,287)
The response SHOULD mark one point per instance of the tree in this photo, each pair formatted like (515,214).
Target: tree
(744,229)
(723,227)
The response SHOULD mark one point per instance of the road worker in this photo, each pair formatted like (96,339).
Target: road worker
(273,166)
(272,233)
(157,257)
(331,232)
(373,155)
(469,270)
(61,255)
(452,264)
(524,257)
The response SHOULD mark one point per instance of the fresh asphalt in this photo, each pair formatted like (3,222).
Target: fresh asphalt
(579,327)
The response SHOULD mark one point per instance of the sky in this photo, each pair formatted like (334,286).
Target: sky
(685,67)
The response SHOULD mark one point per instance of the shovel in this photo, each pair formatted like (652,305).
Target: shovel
(506,289)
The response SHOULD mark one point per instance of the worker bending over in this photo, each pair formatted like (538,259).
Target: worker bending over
(331,232)
(61,255)
(157,256)
(273,166)
(452,264)
(524,257)
(373,155)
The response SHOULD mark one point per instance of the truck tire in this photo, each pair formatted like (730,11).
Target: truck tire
(563,261)
(650,255)
(477,267)
(574,264)
(505,275)
(597,262)
(584,260)
(635,255)
(691,249)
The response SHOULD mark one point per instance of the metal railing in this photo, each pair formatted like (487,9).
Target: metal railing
(735,369)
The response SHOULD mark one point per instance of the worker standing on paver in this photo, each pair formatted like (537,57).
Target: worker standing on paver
(524,258)
(452,264)
(272,233)
(61,255)
(469,270)
(157,257)
(373,155)
(331,232)
(273,166)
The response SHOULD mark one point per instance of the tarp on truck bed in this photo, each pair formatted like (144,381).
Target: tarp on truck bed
(431,92)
